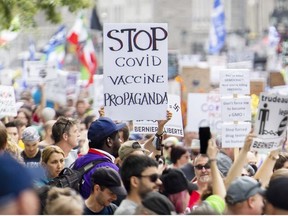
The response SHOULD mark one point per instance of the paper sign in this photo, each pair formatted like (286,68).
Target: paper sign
(272,116)
(233,135)
(36,72)
(7,101)
(204,110)
(236,109)
(173,127)
(56,89)
(98,98)
(135,71)
(234,81)
(266,145)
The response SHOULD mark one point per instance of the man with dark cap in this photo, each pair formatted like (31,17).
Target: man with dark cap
(245,196)
(104,143)
(276,197)
(106,186)
(16,194)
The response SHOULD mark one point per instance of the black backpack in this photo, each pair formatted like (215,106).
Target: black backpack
(73,178)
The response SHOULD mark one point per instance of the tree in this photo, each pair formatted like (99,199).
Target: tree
(20,13)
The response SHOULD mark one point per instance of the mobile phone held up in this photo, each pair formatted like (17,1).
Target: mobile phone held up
(204,136)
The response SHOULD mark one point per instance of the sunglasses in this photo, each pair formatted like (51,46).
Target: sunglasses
(200,167)
(153,177)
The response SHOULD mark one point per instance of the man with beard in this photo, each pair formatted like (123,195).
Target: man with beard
(140,176)
(104,143)
(202,177)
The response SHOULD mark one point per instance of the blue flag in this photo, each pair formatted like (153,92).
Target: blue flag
(217,29)
(55,49)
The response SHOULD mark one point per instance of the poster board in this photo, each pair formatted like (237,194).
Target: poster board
(135,70)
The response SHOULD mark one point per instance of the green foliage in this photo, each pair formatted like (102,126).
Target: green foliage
(25,11)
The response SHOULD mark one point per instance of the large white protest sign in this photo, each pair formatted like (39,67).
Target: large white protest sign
(271,121)
(204,110)
(135,71)
(7,101)
(173,127)
(236,109)
(272,116)
(36,72)
(233,135)
(234,81)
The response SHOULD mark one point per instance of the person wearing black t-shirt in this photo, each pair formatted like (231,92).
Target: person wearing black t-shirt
(106,186)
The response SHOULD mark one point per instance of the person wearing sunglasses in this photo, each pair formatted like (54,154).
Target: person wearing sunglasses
(140,176)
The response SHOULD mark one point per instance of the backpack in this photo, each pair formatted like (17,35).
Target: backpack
(73,178)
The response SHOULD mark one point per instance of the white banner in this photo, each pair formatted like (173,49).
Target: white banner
(135,71)
(173,127)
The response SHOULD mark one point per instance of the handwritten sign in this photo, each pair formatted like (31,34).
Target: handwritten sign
(233,135)
(36,72)
(234,81)
(173,127)
(236,109)
(266,145)
(272,116)
(7,101)
(204,110)
(135,71)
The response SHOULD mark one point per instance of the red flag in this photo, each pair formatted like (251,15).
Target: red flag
(79,37)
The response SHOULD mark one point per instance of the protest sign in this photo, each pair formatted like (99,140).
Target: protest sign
(65,85)
(236,109)
(233,135)
(266,145)
(234,81)
(272,116)
(7,101)
(37,72)
(98,98)
(135,71)
(173,127)
(204,110)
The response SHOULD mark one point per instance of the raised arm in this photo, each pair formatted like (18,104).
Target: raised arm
(240,161)
(265,171)
(218,185)
(158,136)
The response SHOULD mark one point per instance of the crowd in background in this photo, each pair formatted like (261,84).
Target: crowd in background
(134,177)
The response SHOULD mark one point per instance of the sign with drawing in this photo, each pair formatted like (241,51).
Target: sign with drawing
(135,70)
(271,121)
(173,127)
(36,72)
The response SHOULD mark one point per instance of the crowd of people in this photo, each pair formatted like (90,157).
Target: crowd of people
(134,176)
